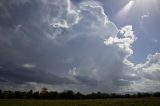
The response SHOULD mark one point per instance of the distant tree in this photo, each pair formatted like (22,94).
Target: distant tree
(1,97)
(70,94)
(20,95)
(36,95)
(17,95)
(6,94)
(29,94)
(44,93)
(157,94)
(67,94)
(147,95)
(127,95)
(139,95)
(91,96)
(44,90)
(114,95)
(78,95)
(100,95)
(53,95)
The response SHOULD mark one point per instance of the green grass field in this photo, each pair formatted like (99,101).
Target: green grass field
(105,102)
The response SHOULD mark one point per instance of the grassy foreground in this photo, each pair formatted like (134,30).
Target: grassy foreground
(105,102)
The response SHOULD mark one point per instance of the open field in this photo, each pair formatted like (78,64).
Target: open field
(105,102)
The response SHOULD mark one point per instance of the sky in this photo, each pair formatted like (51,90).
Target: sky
(80,45)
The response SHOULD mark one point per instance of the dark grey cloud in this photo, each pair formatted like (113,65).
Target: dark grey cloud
(21,75)
(86,80)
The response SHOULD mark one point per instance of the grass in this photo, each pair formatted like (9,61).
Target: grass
(105,102)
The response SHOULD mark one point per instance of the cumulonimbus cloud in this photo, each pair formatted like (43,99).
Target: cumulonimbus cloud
(75,45)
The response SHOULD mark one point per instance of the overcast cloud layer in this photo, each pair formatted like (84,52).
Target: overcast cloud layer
(61,45)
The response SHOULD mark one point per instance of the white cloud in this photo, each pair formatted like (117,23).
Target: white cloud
(149,73)
(66,16)
(29,65)
(151,68)
(58,23)
(145,16)
(155,40)
(96,9)
(125,42)
(73,71)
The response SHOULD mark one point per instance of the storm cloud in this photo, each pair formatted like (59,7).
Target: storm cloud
(62,44)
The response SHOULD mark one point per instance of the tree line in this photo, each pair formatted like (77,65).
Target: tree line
(69,94)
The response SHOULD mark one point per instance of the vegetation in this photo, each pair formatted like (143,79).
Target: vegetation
(45,94)
(96,102)
(70,98)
